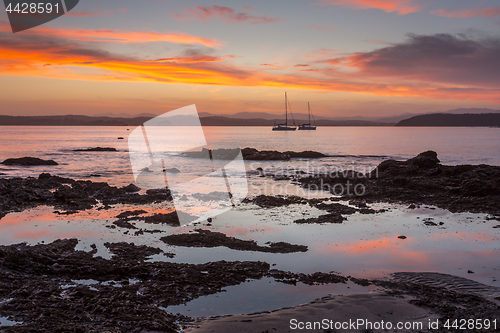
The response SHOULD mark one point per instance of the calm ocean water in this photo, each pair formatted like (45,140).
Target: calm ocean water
(359,147)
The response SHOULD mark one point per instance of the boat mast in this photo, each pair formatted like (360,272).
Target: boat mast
(309,111)
(286,111)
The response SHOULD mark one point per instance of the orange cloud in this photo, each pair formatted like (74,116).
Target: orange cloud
(273,66)
(400,6)
(487,12)
(226,14)
(119,36)
(30,55)
(199,58)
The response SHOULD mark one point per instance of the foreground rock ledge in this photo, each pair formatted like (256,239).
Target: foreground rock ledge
(423,180)
(39,284)
(17,194)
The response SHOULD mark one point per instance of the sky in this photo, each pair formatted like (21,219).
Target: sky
(369,58)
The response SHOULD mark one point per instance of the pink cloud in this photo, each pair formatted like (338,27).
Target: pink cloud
(273,66)
(226,14)
(464,13)
(402,7)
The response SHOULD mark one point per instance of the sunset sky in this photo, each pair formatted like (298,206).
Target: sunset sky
(369,58)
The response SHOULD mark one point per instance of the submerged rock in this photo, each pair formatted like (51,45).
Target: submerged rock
(207,238)
(97,149)
(266,201)
(252,154)
(131,213)
(328,218)
(309,279)
(28,161)
(173,219)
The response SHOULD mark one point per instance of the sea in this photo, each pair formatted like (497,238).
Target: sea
(363,246)
(359,147)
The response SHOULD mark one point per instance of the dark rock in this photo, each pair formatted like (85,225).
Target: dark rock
(207,238)
(305,154)
(70,212)
(120,138)
(131,188)
(131,213)
(124,224)
(336,208)
(402,237)
(267,201)
(97,149)
(28,161)
(328,218)
(171,219)
(317,278)
(430,223)
(252,154)
(17,194)
(35,279)
(173,170)
(422,180)
(426,159)
(470,272)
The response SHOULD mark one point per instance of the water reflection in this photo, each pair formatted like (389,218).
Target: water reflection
(362,246)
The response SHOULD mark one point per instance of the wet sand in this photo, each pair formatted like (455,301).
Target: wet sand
(413,299)
(372,307)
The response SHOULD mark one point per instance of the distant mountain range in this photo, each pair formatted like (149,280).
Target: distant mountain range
(453,120)
(456,117)
(300,117)
(75,120)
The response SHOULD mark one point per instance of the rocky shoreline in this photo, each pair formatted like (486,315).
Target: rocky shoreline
(53,287)
(17,194)
(422,180)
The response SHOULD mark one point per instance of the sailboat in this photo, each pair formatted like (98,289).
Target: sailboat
(285,127)
(308,127)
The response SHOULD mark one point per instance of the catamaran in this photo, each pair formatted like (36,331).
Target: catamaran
(308,127)
(285,127)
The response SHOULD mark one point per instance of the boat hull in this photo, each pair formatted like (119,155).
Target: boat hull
(307,128)
(284,128)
